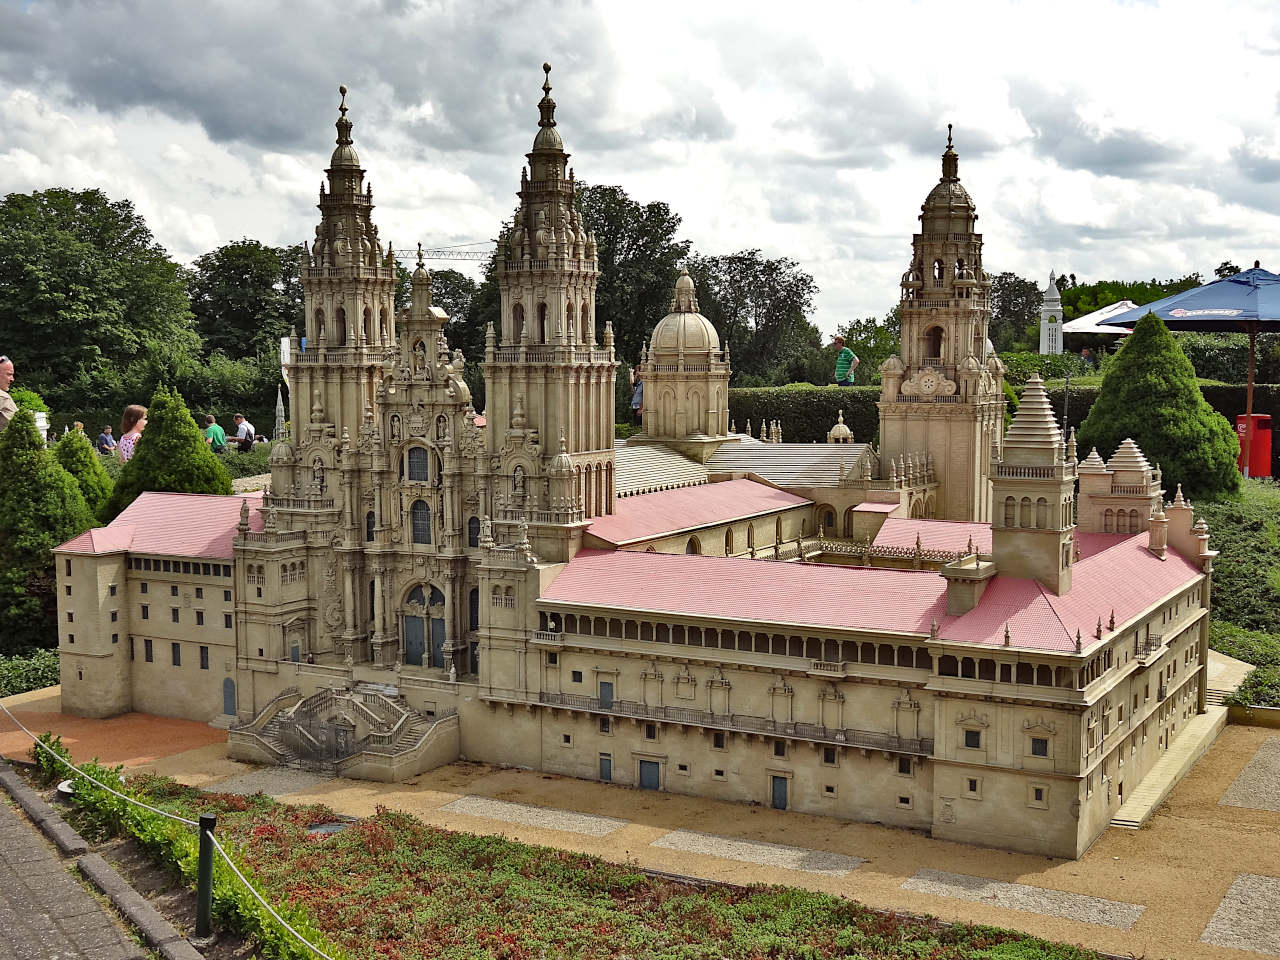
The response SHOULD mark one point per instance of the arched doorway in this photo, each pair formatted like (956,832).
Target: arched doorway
(229,696)
(424,627)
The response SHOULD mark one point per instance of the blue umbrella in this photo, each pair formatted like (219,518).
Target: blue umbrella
(1242,302)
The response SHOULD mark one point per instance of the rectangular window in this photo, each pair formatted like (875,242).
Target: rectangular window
(904,802)
(226,570)
(147,652)
(204,569)
(682,768)
(973,739)
(168,567)
(566,740)
(68,589)
(173,614)
(115,615)
(606,725)
(577,676)
(146,563)
(111,590)
(1039,794)
(226,620)
(718,775)
(226,596)
(971,785)
(186,566)
(204,658)
(68,567)
(717,740)
(780,748)
(904,766)
(829,756)
(1039,746)
(71,638)
(71,617)
(131,648)
(829,790)
(173,590)
(115,638)
(146,612)
(199,618)
(175,650)
(651,731)
(553,658)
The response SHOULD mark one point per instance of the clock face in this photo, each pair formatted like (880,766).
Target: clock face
(928,383)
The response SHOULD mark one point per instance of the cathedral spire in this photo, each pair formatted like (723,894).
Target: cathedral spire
(344,155)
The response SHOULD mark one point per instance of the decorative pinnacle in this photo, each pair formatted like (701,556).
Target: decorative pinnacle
(547,106)
(419,254)
(546,84)
(948,135)
(343,124)
(342,107)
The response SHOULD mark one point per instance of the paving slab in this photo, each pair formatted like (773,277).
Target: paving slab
(760,852)
(1248,918)
(1020,896)
(273,781)
(1258,785)
(548,818)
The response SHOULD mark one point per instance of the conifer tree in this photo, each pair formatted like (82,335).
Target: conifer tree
(40,507)
(171,456)
(1150,393)
(79,459)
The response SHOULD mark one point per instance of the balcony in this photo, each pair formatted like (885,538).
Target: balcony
(737,723)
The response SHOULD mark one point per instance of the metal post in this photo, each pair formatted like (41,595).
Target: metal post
(204,876)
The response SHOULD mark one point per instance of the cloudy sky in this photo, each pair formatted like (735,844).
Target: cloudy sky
(1111,140)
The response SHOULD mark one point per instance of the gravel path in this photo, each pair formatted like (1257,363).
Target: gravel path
(531,816)
(758,852)
(1248,917)
(273,781)
(1258,785)
(1019,896)
(249,484)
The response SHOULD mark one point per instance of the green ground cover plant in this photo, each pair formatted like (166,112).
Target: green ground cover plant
(251,464)
(1261,688)
(392,886)
(1252,646)
(1246,576)
(28,671)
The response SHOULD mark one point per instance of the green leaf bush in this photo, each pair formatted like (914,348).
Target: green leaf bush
(78,458)
(171,456)
(34,670)
(807,411)
(237,465)
(28,399)
(1252,646)
(41,507)
(1247,534)
(1020,365)
(1150,393)
(1261,688)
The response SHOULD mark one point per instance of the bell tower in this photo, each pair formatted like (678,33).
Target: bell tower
(944,394)
(549,382)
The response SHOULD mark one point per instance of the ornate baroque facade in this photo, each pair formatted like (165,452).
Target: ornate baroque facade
(423,583)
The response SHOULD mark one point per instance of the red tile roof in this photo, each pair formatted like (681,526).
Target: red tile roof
(934,534)
(872,507)
(651,515)
(176,524)
(1114,573)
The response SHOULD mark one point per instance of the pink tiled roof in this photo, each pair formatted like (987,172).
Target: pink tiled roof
(651,515)
(1114,573)
(176,524)
(871,507)
(934,534)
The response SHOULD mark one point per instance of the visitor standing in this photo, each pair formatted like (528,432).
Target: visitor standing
(132,424)
(7,407)
(637,398)
(244,434)
(214,435)
(846,362)
(106,442)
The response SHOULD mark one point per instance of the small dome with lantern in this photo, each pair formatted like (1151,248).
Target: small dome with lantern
(684,331)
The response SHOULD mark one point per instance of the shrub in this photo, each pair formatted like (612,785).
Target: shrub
(623,430)
(171,456)
(29,400)
(1149,392)
(806,411)
(30,671)
(1251,646)
(1019,365)
(48,769)
(40,507)
(1261,688)
(245,464)
(78,458)
(1247,532)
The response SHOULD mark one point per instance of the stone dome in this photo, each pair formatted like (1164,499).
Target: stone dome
(344,155)
(282,453)
(684,329)
(548,139)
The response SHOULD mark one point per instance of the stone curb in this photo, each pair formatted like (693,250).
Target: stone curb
(43,815)
(155,929)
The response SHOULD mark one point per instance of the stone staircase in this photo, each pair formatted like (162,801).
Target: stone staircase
(363,731)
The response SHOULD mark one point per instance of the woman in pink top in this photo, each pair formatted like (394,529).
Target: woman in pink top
(131,427)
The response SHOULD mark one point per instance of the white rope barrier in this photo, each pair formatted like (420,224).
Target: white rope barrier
(257,896)
(65,762)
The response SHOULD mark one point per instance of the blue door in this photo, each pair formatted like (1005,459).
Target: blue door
(649,774)
(437,642)
(294,653)
(229,696)
(606,694)
(606,768)
(779,793)
(415,640)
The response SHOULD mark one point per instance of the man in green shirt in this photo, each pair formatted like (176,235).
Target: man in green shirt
(214,435)
(846,362)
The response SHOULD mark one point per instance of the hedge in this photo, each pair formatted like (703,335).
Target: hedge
(807,412)
(29,671)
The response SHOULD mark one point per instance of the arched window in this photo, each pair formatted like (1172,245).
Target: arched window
(1109,521)
(693,546)
(571,314)
(419,469)
(340,331)
(368,527)
(959,268)
(1133,522)
(1010,512)
(319,323)
(588,335)
(728,542)
(751,536)
(473,609)
(777,530)
(373,588)
(383,332)
(1028,516)
(420,514)
(1042,513)
(517,322)
(933,343)
(938,270)
(473,532)
(368,324)
(542,323)
(948,666)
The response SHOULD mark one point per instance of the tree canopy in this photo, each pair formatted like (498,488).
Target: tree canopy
(872,340)
(1150,393)
(245,296)
(1015,312)
(1081,299)
(78,458)
(171,455)
(40,507)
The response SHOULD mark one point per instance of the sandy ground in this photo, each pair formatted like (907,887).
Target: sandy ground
(1179,867)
